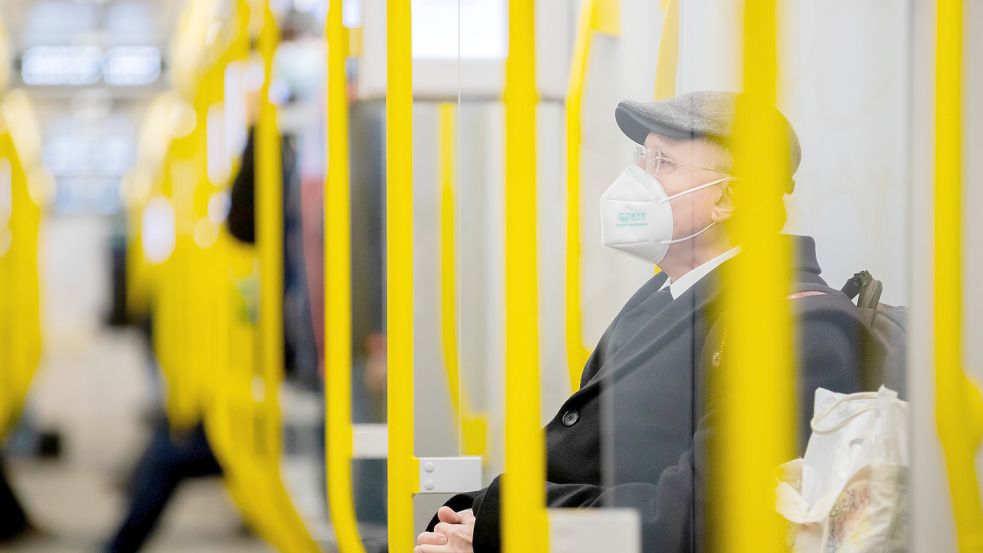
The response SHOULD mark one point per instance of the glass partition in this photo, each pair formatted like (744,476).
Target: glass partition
(775,187)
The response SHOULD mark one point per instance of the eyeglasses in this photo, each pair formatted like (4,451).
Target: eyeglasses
(656,162)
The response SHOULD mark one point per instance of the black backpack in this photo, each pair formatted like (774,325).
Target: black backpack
(885,346)
(885,331)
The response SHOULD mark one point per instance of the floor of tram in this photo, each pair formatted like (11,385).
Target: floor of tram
(95,387)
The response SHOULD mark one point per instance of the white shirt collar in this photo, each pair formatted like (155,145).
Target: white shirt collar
(687,281)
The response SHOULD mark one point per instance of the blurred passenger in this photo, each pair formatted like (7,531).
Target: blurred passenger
(300,351)
(13,519)
(650,367)
(170,459)
(174,456)
(26,440)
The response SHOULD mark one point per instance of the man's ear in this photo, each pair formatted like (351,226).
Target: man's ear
(723,208)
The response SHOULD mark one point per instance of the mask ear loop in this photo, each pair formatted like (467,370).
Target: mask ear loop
(696,189)
(690,237)
(683,193)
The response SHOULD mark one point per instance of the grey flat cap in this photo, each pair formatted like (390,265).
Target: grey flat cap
(702,113)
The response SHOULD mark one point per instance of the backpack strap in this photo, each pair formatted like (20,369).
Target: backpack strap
(867,290)
(855,284)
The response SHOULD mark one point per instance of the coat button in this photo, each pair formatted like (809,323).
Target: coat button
(570,418)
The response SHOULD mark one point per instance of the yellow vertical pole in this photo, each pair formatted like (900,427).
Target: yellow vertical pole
(338,292)
(17,250)
(958,407)
(668,60)
(595,16)
(171,315)
(524,523)
(577,352)
(286,528)
(448,258)
(403,466)
(269,234)
(6,241)
(473,427)
(758,407)
(18,254)
(196,308)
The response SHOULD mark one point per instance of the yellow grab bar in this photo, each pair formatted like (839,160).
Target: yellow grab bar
(473,426)
(20,339)
(403,466)
(286,526)
(338,293)
(6,242)
(667,61)
(269,231)
(595,16)
(758,407)
(524,523)
(958,407)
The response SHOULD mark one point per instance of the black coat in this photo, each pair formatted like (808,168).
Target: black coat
(643,401)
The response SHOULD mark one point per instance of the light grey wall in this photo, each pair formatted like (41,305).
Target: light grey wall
(846,89)
(932,528)
(844,84)
(621,67)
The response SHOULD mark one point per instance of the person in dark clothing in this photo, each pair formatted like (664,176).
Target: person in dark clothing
(241,219)
(13,519)
(173,457)
(168,461)
(300,351)
(644,406)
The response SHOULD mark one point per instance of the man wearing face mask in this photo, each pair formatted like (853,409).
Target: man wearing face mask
(643,398)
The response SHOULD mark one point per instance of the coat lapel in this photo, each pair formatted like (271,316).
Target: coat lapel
(657,331)
(600,350)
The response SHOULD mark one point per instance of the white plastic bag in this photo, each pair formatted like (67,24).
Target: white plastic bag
(847,495)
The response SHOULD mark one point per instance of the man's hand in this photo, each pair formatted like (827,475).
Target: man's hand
(452,535)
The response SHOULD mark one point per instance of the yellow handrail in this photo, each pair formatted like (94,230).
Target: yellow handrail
(338,293)
(7,395)
(287,529)
(20,213)
(524,523)
(958,407)
(12,246)
(758,407)
(269,231)
(595,16)
(473,426)
(403,466)
(668,59)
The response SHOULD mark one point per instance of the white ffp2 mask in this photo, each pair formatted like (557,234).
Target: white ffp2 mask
(636,215)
